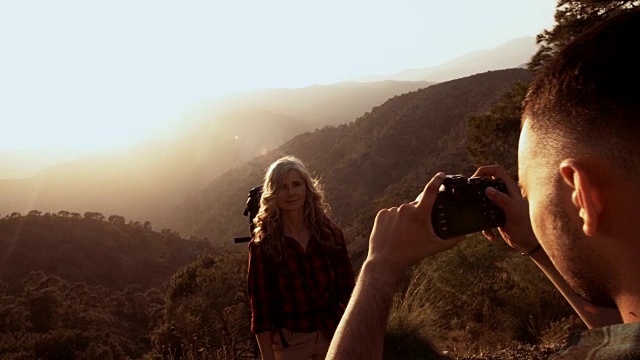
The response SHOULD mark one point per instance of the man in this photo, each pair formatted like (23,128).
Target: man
(577,217)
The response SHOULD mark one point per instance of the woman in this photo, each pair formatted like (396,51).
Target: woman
(300,277)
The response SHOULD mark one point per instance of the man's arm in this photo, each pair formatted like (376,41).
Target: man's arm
(360,334)
(518,234)
(400,237)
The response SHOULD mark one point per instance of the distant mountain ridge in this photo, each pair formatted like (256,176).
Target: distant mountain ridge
(383,158)
(148,181)
(320,105)
(20,164)
(513,54)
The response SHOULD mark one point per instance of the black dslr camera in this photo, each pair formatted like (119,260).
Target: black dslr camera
(463,208)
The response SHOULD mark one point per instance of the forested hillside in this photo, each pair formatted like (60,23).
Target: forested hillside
(86,286)
(382,158)
(92,249)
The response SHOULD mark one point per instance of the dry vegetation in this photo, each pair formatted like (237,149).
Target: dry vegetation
(478,298)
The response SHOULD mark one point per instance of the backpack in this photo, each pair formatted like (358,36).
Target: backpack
(253,206)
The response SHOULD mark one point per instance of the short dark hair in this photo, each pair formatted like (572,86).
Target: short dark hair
(588,97)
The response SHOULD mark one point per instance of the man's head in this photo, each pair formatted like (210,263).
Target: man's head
(579,156)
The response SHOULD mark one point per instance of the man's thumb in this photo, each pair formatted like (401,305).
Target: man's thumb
(502,200)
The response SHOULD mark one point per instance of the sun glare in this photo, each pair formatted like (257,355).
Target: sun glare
(104,76)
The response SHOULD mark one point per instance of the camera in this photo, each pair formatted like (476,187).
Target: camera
(462,207)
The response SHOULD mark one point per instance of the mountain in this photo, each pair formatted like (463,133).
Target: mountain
(320,104)
(513,54)
(92,249)
(148,181)
(74,286)
(20,164)
(381,159)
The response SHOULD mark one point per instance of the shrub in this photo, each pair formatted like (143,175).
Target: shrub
(207,310)
(415,316)
(478,296)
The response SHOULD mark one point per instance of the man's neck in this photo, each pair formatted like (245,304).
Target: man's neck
(624,281)
(629,307)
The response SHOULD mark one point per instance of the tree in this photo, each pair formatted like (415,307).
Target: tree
(50,318)
(170,233)
(117,219)
(573,17)
(493,136)
(206,307)
(93,216)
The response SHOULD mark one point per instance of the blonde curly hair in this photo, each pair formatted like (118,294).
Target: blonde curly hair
(269,230)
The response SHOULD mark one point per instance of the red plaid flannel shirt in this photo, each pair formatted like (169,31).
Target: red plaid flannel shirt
(299,293)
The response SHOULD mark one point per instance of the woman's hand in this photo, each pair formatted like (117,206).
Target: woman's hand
(517,231)
(264,343)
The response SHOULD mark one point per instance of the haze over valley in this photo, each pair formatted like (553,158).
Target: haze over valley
(147,181)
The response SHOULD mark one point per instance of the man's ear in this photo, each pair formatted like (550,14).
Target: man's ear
(586,196)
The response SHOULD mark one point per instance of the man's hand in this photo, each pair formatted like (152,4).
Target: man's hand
(401,236)
(404,235)
(517,231)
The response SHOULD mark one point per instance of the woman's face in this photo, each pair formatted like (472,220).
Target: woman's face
(293,192)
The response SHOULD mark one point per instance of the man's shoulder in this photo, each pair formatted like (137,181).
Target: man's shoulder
(620,341)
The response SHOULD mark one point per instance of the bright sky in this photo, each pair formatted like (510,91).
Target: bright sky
(98,75)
